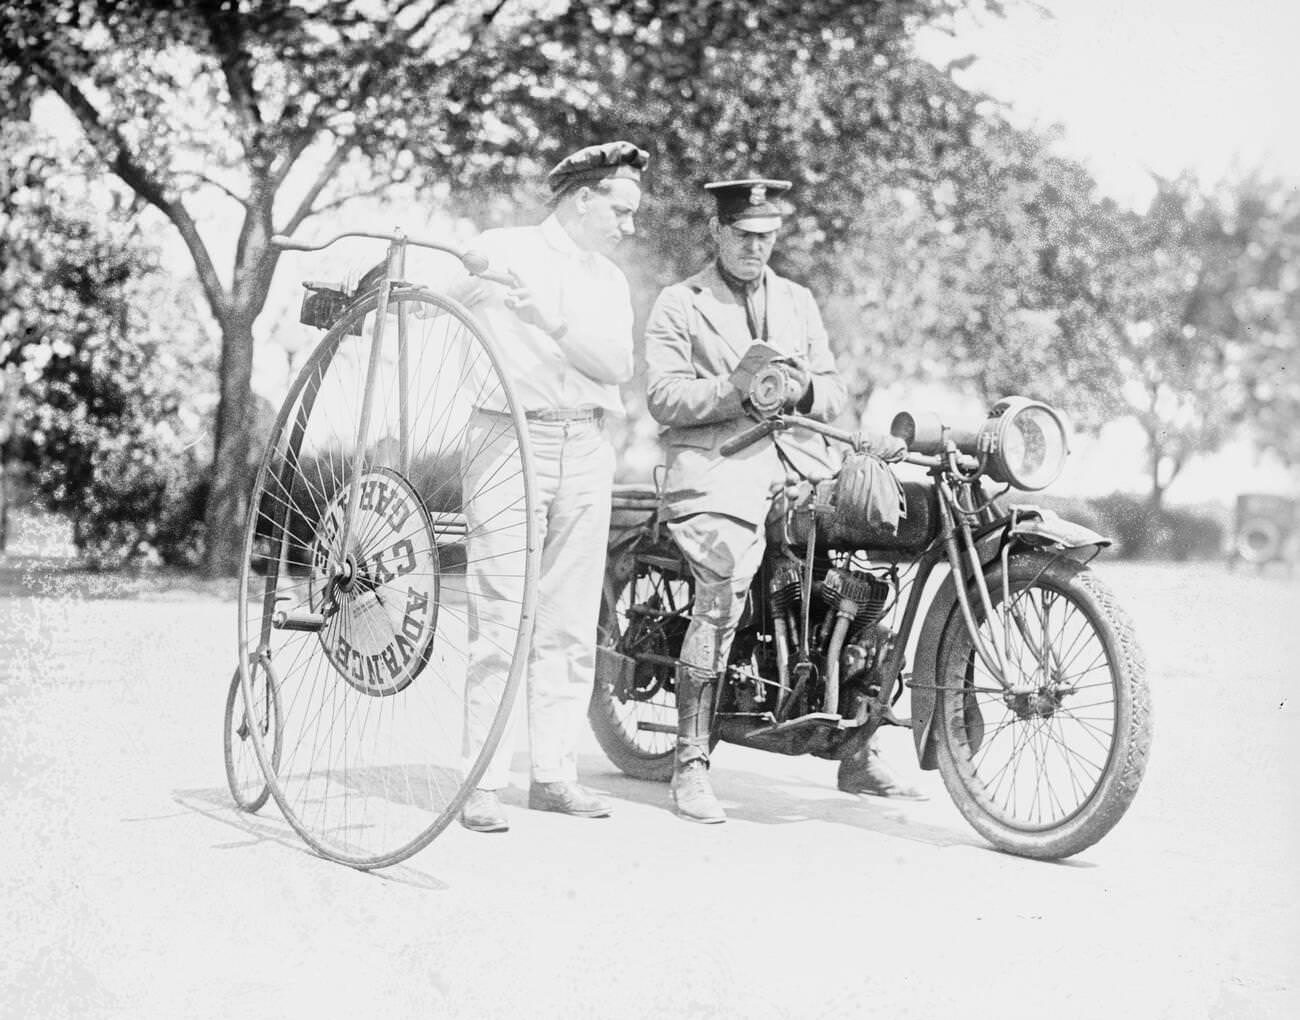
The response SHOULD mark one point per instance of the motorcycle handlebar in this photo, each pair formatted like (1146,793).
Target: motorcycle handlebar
(781,422)
(751,435)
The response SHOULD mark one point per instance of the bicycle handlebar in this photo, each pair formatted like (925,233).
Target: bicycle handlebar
(475,263)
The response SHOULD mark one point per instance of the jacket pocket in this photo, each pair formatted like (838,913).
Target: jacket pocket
(697,437)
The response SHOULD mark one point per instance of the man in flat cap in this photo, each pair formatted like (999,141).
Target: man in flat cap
(701,337)
(566,332)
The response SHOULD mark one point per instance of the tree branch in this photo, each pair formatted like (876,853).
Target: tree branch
(305,207)
(226,37)
(298,144)
(115,152)
(423,21)
(342,200)
(213,183)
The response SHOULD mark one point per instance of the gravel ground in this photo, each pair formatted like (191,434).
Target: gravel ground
(132,887)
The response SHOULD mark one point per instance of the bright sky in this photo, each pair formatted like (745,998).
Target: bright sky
(1144,86)
(1141,87)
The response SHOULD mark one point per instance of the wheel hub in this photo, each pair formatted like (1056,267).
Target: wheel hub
(380,596)
(1036,704)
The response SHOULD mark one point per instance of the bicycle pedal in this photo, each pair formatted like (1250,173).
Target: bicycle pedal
(291,620)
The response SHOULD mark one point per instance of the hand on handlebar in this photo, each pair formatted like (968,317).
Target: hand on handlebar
(798,378)
(523,302)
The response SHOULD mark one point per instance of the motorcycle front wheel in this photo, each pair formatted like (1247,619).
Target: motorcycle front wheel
(1047,765)
(644,613)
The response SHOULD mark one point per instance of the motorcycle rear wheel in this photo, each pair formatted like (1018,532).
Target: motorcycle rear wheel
(644,611)
(1046,772)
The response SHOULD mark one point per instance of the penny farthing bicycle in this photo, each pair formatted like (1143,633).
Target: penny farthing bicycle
(390,540)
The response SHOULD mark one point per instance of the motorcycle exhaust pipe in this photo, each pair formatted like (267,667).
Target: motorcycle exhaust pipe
(845,614)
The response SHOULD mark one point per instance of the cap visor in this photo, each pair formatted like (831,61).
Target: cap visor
(761,222)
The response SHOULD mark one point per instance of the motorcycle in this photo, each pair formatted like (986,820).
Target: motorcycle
(1027,685)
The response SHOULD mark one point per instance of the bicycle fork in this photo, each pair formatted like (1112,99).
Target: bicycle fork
(395,270)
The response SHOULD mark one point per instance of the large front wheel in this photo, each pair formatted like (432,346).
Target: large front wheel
(391,552)
(1046,766)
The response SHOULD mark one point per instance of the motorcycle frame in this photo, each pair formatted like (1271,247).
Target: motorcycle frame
(972,539)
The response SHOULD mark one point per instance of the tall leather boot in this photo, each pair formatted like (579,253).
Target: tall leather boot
(692,793)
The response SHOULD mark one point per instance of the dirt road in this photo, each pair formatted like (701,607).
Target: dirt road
(132,888)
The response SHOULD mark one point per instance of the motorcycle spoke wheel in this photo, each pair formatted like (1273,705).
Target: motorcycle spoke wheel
(363,580)
(633,711)
(1049,767)
(244,776)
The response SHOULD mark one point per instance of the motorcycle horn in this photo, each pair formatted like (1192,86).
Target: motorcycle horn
(1022,442)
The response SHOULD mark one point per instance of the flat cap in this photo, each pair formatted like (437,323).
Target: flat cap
(749,202)
(596,163)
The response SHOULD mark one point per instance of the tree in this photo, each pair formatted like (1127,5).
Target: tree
(269,106)
(833,99)
(1203,321)
(105,425)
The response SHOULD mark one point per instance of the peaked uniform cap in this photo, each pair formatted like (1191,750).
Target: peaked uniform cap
(596,163)
(750,202)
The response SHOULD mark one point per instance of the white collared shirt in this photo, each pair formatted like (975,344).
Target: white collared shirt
(586,291)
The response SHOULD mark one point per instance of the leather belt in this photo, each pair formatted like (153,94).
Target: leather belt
(558,416)
(567,415)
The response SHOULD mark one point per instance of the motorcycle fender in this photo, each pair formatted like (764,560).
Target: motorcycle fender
(944,606)
(925,668)
(1040,528)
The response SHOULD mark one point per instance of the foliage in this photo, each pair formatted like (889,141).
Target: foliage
(944,244)
(1138,532)
(287,110)
(1202,313)
(106,425)
(1141,532)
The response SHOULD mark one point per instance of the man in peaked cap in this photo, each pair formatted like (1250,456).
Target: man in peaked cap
(703,339)
(565,328)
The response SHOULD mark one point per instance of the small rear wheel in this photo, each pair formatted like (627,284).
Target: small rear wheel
(243,771)
(1046,768)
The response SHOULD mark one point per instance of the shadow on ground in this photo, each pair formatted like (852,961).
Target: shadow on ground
(769,800)
(268,826)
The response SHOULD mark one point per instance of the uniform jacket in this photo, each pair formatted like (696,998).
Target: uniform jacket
(695,337)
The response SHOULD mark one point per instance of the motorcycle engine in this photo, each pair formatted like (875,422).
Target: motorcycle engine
(866,592)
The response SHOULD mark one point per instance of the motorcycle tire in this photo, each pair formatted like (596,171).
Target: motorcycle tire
(1047,771)
(645,609)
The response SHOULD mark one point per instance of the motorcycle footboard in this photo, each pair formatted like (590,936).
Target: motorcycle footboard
(813,720)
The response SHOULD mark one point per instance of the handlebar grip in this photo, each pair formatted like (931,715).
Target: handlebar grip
(477,264)
(287,243)
(749,437)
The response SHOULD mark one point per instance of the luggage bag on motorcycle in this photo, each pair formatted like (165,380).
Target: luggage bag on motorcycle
(864,506)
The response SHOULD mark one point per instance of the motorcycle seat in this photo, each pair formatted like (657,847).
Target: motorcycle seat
(631,496)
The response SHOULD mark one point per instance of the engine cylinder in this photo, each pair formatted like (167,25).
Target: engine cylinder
(866,592)
(784,585)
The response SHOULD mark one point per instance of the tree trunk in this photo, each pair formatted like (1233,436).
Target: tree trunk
(231,474)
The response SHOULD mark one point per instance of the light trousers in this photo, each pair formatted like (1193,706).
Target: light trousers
(724,553)
(574,469)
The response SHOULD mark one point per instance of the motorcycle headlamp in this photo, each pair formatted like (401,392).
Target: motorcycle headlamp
(767,391)
(1022,443)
